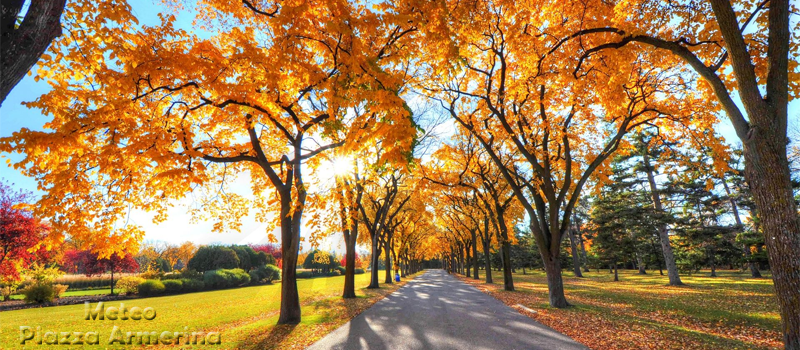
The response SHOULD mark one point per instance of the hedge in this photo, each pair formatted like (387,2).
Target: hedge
(151,287)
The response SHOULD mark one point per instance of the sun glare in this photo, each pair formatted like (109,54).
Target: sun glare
(342,166)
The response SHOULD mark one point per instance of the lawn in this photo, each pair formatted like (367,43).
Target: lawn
(74,293)
(731,311)
(244,317)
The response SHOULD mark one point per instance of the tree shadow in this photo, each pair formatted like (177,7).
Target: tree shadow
(271,340)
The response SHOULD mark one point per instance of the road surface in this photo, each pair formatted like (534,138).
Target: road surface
(437,311)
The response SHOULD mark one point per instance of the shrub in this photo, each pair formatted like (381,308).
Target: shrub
(162,265)
(270,273)
(39,293)
(334,273)
(193,285)
(151,287)
(59,289)
(223,278)
(342,270)
(8,288)
(305,274)
(130,284)
(239,277)
(212,258)
(191,274)
(152,275)
(172,286)
(358,271)
(255,277)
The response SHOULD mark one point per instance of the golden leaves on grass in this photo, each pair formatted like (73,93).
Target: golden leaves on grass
(629,315)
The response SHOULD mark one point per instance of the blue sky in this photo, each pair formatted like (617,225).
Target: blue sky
(14,116)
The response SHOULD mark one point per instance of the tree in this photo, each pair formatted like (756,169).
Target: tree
(170,113)
(760,61)
(25,38)
(95,265)
(21,234)
(210,258)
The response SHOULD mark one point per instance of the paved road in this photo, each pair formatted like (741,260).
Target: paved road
(437,311)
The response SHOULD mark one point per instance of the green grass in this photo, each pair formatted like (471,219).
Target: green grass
(233,312)
(73,293)
(731,311)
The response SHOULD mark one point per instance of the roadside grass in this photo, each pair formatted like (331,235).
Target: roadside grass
(731,311)
(245,317)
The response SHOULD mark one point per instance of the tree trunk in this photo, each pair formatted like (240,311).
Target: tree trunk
(616,274)
(290,244)
(555,285)
(640,263)
(767,172)
(508,280)
(467,261)
(23,46)
(475,255)
(576,259)
(388,262)
(350,264)
(486,238)
(666,247)
(376,252)
(112,281)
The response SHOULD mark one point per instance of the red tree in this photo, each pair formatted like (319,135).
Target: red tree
(20,234)
(271,249)
(113,263)
(74,261)
(358,261)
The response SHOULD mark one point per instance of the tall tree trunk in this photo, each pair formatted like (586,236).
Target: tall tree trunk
(663,234)
(616,274)
(576,259)
(388,261)
(350,263)
(555,286)
(508,279)
(767,172)
(376,252)
(487,254)
(112,281)
(474,254)
(290,245)
(712,254)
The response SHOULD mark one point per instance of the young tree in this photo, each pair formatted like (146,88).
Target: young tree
(95,265)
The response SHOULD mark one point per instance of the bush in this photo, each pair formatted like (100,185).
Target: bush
(172,286)
(191,274)
(130,284)
(342,270)
(151,287)
(255,277)
(305,274)
(210,258)
(59,289)
(270,273)
(223,278)
(192,285)
(152,275)
(39,293)
(333,273)
(358,271)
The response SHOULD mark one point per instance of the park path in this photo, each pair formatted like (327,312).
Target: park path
(437,311)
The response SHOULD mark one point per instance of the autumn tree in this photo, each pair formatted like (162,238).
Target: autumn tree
(20,233)
(96,265)
(171,113)
(504,89)
(742,51)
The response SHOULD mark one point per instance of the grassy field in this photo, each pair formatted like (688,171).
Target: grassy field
(731,311)
(74,293)
(244,317)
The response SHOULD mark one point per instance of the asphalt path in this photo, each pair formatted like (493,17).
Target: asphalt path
(437,311)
